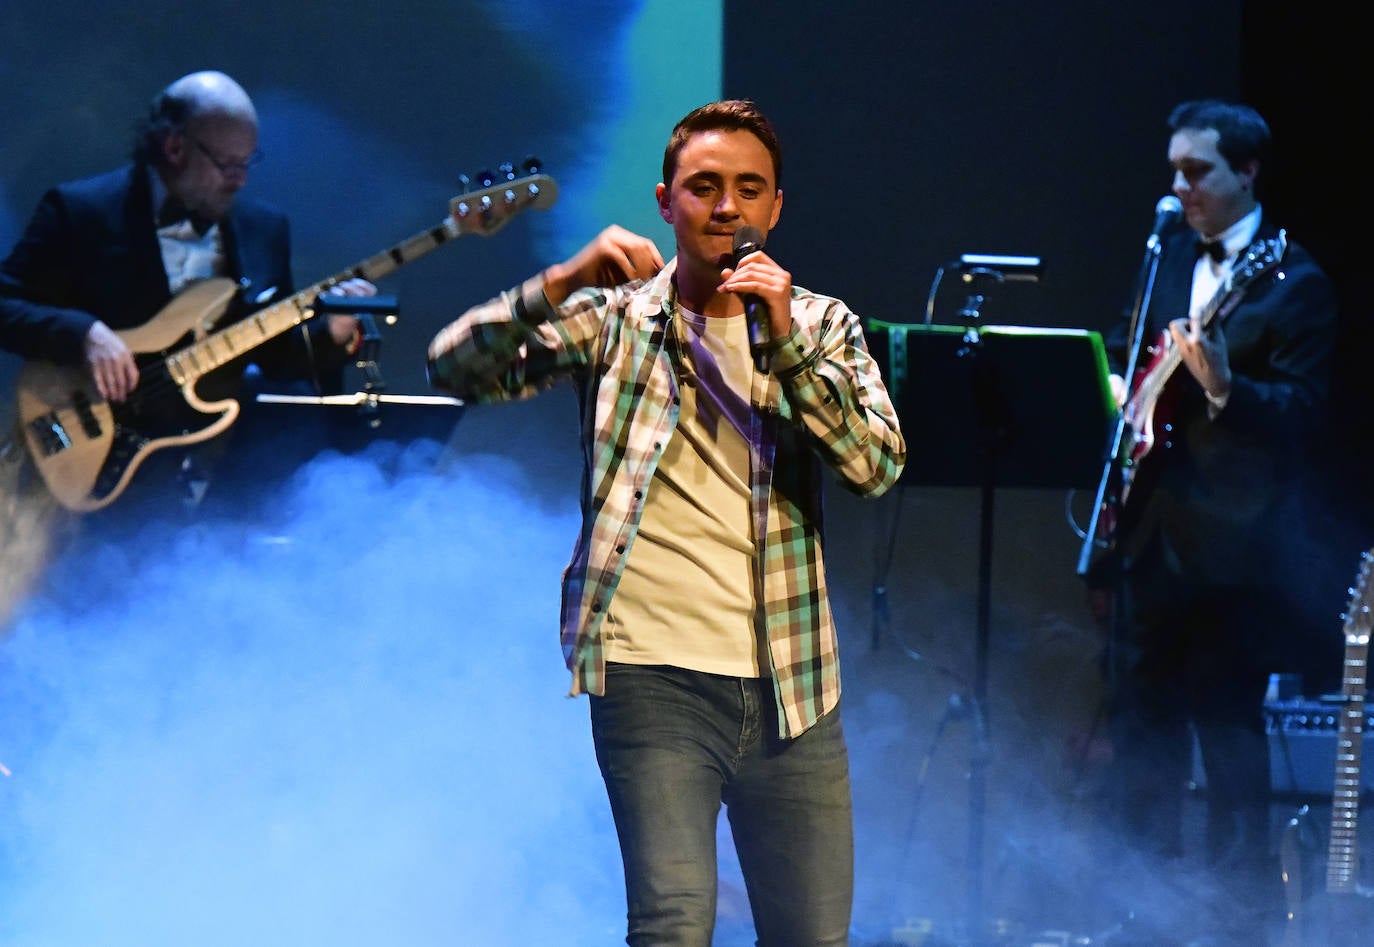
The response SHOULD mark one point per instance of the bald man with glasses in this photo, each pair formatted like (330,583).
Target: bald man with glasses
(108,253)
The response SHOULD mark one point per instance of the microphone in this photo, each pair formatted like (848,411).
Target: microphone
(749,240)
(1167,212)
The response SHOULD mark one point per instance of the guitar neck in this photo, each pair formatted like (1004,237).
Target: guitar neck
(482,212)
(238,338)
(1342,862)
(1343,849)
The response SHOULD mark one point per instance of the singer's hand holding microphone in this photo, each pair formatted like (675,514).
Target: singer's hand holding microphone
(764,287)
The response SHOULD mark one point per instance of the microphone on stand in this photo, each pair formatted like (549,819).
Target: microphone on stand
(750,240)
(1167,213)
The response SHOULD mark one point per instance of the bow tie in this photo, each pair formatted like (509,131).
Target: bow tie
(1212,248)
(174,211)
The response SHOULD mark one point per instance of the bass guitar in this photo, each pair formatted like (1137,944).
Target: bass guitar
(1148,409)
(1339,916)
(87,450)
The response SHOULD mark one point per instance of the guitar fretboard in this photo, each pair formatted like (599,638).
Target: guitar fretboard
(1342,857)
(481,212)
(220,348)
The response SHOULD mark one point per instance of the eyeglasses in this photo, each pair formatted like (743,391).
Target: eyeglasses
(227,167)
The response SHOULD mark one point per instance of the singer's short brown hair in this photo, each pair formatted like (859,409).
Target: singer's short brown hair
(727,115)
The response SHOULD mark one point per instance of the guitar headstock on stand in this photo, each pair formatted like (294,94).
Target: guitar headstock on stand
(490,200)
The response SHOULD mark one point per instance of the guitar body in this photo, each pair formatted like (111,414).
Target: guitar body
(87,449)
(1318,917)
(1149,414)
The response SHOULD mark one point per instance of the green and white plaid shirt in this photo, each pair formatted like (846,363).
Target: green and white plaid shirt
(822,400)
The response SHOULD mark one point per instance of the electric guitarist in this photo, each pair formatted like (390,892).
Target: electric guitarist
(1214,450)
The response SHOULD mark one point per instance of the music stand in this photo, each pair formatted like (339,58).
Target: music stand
(995,406)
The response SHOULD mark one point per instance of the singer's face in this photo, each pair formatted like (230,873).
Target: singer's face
(1214,195)
(724,181)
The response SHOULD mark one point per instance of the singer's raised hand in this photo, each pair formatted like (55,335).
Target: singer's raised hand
(614,256)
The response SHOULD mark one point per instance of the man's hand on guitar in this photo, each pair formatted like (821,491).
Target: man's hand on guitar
(1204,355)
(343,328)
(110,362)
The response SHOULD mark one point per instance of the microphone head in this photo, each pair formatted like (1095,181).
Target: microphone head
(1168,210)
(747,240)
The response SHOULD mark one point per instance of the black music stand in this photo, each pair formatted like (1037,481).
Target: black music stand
(995,406)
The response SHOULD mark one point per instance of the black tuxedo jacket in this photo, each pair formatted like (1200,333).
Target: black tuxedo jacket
(1217,483)
(90,251)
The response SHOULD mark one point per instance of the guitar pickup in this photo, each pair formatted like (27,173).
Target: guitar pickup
(48,434)
(81,404)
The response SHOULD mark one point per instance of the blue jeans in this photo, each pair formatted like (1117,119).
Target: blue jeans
(673,745)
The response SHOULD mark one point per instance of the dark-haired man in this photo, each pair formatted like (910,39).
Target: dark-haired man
(1247,322)
(695,608)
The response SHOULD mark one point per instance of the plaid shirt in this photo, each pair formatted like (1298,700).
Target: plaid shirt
(823,400)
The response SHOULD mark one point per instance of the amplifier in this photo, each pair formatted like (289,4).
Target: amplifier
(1302,747)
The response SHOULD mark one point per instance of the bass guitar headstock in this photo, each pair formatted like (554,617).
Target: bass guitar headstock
(490,200)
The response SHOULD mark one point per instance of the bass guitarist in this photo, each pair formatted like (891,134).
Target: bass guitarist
(107,253)
(1235,357)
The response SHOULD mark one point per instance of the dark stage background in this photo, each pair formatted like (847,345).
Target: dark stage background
(333,712)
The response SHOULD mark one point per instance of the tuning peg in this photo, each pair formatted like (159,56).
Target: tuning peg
(506,170)
(464,184)
(532,165)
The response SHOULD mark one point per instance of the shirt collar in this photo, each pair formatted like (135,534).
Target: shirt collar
(1241,234)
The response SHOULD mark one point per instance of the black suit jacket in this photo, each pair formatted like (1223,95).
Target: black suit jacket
(1218,485)
(90,251)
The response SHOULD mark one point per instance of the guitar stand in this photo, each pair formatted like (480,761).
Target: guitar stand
(371,405)
(363,308)
(367,402)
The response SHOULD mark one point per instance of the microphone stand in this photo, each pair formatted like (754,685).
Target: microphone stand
(365,359)
(1145,281)
(1149,267)
(980,755)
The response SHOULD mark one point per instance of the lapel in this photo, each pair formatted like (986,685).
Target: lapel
(149,275)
